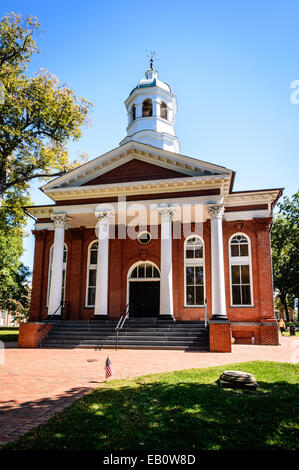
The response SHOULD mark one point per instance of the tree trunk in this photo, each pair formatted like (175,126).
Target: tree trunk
(2,185)
(2,192)
(283,299)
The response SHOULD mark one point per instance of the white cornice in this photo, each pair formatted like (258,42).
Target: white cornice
(149,91)
(139,188)
(246,215)
(155,155)
(251,198)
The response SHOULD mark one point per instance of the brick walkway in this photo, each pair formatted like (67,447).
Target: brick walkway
(37,383)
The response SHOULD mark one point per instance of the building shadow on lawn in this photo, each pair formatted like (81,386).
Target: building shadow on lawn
(173,416)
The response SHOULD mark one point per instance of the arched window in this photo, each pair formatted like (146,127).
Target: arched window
(145,271)
(194,272)
(147,108)
(240,270)
(133,113)
(92,261)
(163,110)
(63,272)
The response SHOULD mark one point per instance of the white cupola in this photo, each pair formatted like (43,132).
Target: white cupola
(151,109)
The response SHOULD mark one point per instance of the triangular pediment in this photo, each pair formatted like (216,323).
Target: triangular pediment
(135,170)
(135,161)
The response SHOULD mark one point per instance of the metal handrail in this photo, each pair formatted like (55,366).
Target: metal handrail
(50,318)
(122,321)
(206,313)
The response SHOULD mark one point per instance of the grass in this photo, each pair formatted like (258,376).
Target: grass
(8,334)
(181,410)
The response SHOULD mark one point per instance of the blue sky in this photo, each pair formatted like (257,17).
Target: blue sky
(230,63)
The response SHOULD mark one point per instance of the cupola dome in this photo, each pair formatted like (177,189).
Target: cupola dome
(151,108)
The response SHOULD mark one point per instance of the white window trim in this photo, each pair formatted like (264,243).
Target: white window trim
(194,262)
(240,260)
(64,265)
(89,268)
(143,279)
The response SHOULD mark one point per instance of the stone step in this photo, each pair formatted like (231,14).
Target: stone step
(127,343)
(151,331)
(127,346)
(178,331)
(138,333)
(130,325)
(127,337)
(134,322)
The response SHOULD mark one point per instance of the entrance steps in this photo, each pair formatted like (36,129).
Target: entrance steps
(139,333)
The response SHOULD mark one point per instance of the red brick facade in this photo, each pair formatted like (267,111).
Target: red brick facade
(254,324)
(141,173)
(134,170)
(220,337)
(32,334)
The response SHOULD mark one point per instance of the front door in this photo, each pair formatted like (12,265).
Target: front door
(145,298)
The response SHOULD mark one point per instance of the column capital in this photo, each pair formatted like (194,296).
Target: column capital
(216,211)
(59,220)
(104,217)
(167,213)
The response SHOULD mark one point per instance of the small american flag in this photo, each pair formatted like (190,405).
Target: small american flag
(108,368)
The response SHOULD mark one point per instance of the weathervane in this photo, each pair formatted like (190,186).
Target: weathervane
(152,55)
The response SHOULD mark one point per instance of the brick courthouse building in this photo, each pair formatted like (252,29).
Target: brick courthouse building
(146,226)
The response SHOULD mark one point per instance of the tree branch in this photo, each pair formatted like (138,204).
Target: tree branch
(28,178)
(16,52)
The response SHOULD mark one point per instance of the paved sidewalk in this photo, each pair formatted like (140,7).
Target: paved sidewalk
(37,383)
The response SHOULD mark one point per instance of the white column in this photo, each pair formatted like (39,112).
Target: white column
(138,110)
(218,283)
(57,264)
(156,108)
(166,290)
(101,300)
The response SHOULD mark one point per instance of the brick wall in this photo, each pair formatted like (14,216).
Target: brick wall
(124,253)
(32,334)
(220,337)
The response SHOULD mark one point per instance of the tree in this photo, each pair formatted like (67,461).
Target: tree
(18,303)
(285,250)
(280,307)
(39,114)
(14,285)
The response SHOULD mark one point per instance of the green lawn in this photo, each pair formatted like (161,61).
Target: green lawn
(9,334)
(182,410)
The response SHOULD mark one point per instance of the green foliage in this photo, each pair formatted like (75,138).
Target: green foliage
(39,114)
(285,250)
(17,44)
(14,295)
(18,301)
(183,410)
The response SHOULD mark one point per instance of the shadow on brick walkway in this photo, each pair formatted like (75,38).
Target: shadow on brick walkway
(37,383)
(18,418)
